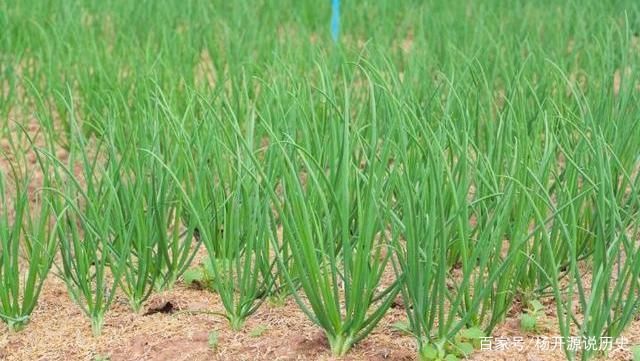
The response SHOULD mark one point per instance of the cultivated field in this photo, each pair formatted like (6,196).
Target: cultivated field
(198,180)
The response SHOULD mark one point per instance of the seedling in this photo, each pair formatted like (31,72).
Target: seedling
(213,340)
(530,321)
(635,351)
(258,331)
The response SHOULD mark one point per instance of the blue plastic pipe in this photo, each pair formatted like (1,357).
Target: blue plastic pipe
(335,19)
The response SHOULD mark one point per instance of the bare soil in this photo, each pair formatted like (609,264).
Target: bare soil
(59,331)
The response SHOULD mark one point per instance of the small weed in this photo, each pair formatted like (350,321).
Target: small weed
(214,339)
(530,321)
(258,331)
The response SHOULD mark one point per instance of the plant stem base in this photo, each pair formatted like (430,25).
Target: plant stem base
(96,325)
(340,344)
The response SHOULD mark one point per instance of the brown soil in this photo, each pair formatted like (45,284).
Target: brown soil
(59,331)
